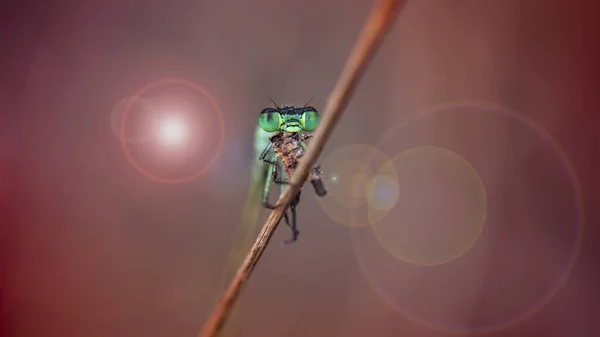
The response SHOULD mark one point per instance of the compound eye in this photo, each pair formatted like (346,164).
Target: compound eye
(310,119)
(270,120)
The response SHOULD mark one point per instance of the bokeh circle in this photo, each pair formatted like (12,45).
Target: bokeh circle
(382,193)
(220,138)
(441,213)
(533,233)
(347,171)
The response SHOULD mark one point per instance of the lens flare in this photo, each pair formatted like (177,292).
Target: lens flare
(383,193)
(172,131)
(348,171)
(442,212)
(350,179)
(141,118)
(534,223)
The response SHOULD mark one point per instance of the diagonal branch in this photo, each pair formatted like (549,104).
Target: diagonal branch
(371,36)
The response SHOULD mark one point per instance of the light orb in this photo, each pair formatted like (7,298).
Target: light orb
(172,131)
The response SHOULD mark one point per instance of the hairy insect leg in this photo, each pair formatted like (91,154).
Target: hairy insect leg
(293,206)
(287,219)
(293,224)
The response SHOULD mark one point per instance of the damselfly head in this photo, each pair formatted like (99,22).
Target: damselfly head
(289,118)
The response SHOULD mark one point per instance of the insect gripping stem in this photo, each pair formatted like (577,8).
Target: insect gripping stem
(373,32)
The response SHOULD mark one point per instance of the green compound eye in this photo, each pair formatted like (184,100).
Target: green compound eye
(310,119)
(270,120)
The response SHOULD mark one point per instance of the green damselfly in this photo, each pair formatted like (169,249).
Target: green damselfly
(291,127)
(279,141)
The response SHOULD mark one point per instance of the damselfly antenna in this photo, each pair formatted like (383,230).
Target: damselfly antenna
(277,106)
(306,104)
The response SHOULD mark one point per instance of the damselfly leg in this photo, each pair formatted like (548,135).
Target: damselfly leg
(273,177)
(295,231)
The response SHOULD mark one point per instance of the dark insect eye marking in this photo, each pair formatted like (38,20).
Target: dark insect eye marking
(268,111)
(270,114)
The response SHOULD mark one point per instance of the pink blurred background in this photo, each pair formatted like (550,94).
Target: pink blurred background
(90,247)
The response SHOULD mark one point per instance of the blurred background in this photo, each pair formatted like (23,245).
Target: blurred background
(461,176)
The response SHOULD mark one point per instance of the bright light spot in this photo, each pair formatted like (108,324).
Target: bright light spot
(172,131)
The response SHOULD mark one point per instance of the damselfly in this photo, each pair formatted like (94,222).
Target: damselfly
(291,126)
(279,141)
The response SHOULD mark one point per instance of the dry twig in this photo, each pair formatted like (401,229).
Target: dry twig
(373,32)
